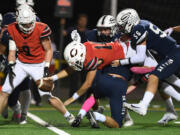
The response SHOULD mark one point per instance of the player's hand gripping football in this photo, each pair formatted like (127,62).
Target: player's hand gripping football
(115,63)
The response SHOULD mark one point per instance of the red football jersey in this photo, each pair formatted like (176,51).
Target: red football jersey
(30,49)
(106,52)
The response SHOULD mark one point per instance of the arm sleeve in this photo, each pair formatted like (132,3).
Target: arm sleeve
(140,55)
(138,58)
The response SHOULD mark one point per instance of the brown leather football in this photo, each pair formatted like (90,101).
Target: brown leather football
(45,85)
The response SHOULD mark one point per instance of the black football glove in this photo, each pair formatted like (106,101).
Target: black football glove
(46,71)
(3,63)
(11,74)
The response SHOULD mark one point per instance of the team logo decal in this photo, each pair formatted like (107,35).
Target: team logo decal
(125,17)
(73,52)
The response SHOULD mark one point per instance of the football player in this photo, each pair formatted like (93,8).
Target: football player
(18,116)
(91,56)
(146,35)
(32,40)
(105,32)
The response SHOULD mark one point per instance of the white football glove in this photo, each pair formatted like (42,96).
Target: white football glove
(75,36)
(169,31)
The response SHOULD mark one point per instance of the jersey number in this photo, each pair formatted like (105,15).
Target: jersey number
(157,31)
(26,50)
(103,47)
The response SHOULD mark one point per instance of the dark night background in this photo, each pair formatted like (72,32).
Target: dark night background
(164,13)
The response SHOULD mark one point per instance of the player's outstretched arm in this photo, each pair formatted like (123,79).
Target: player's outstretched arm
(46,42)
(138,58)
(83,89)
(170,30)
(60,75)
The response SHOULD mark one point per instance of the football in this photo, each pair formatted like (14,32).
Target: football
(45,85)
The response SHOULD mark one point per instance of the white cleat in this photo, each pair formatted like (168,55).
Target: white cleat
(138,108)
(169,116)
(23,122)
(128,123)
(70,119)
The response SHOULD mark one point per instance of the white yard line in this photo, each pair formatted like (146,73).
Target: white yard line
(45,124)
(177,122)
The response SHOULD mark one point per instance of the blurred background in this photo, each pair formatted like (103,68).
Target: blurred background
(62,15)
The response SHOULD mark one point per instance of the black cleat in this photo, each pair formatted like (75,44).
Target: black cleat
(90,116)
(100,109)
(77,121)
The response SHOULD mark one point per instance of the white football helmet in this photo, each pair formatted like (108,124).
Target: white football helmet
(20,2)
(25,16)
(126,19)
(107,21)
(75,54)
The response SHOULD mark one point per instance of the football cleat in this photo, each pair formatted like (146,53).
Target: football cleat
(77,121)
(23,119)
(100,109)
(169,116)
(138,108)
(90,116)
(70,119)
(128,123)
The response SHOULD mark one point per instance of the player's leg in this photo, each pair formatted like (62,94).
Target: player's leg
(87,105)
(36,72)
(170,111)
(25,96)
(162,71)
(7,89)
(106,120)
(115,89)
(59,106)
(15,105)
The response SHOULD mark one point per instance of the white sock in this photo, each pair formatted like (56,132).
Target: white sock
(169,105)
(174,80)
(148,96)
(82,112)
(99,117)
(169,90)
(67,114)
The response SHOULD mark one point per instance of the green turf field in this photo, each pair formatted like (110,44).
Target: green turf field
(143,125)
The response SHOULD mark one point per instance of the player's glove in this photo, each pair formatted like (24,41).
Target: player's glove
(11,73)
(46,71)
(3,63)
(169,31)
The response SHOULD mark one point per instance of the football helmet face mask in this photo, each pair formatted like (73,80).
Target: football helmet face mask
(25,18)
(126,20)
(104,23)
(75,54)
